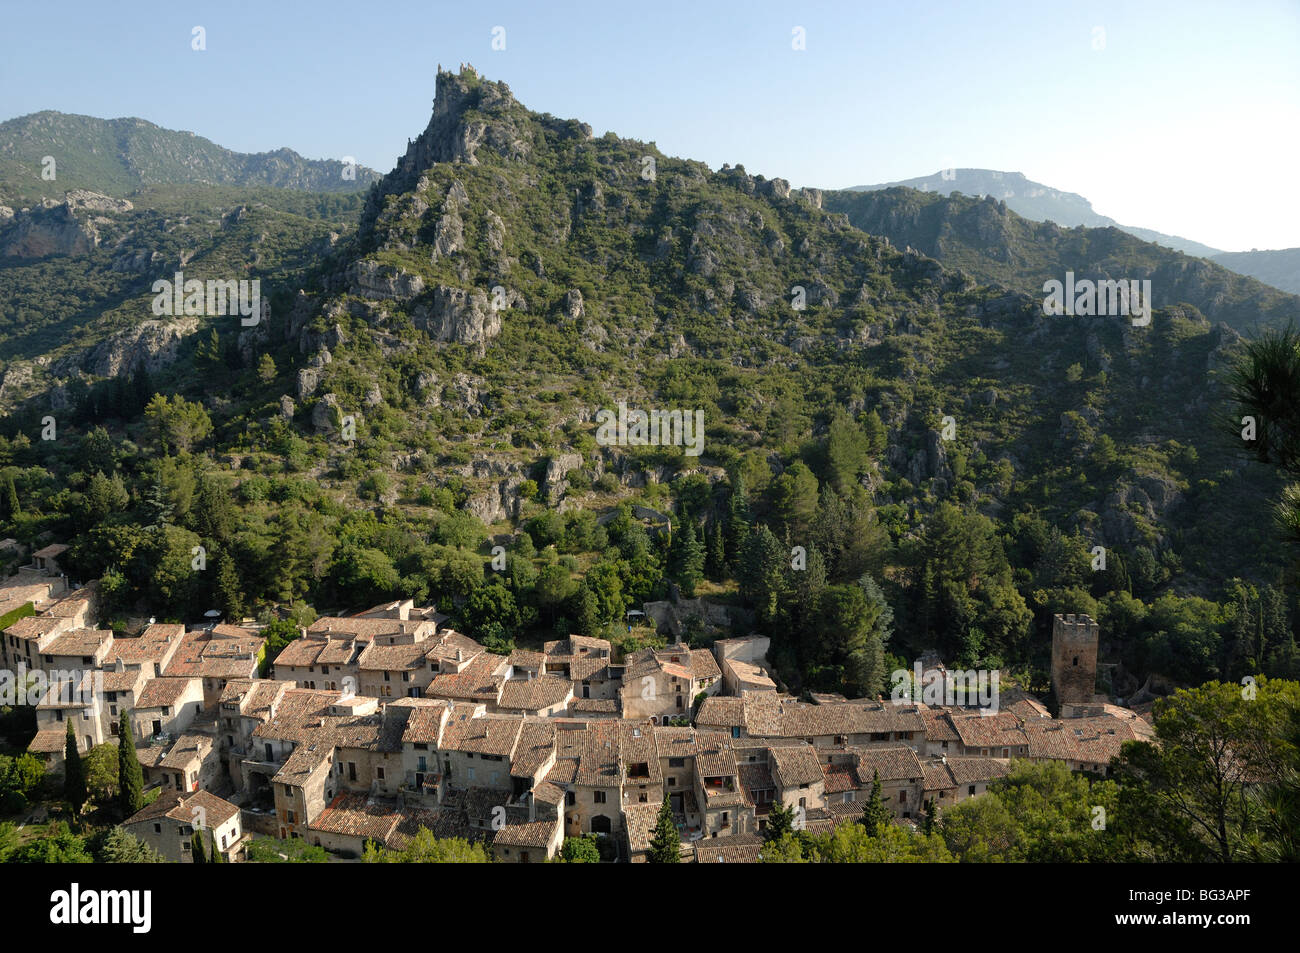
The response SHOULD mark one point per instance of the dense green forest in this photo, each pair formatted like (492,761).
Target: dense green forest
(898,456)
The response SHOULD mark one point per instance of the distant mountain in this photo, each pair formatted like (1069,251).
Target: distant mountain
(1035,201)
(1280,268)
(988,240)
(117,156)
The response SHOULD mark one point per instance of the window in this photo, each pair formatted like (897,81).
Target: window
(570,799)
(379,773)
(470,773)
(672,782)
(598,797)
(676,762)
(157,828)
(352,771)
(971,789)
(902,797)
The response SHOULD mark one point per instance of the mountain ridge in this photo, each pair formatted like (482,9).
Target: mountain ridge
(1034,201)
(118,156)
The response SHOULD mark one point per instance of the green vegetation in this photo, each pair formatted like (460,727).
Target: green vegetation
(834,505)
(424,848)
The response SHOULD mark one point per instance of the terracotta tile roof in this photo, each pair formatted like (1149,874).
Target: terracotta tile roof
(365,629)
(206,655)
(126,681)
(393,658)
(305,760)
(527,658)
(527,834)
(564,772)
(755,778)
(895,763)
(486,734)
(598,760)
(179,806)
(534,694)
(703,664)
(639,821)
(78,642)
(639,752)
(975,770)
(424,725)
(839,778)
(1086,740)
(35,626)
(674,742)
(775,717)
(716,764)
(49,740)
(478,682)
(535,748)
(302,653)
(187,749)
(938,726)
(794,766)
(937,777)
(356,815)
(595,705)
(163,692)
(989,731)
(718,711)
(742,849)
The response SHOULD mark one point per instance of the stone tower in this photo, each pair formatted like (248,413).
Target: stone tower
(1074,658)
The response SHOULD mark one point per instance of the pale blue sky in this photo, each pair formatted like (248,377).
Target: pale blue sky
(1179,116)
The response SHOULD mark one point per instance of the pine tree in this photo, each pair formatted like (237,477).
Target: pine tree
(686,558)
(738,519)
(762,572)
(874,812)
(666,844)
(130,778)
(74,773)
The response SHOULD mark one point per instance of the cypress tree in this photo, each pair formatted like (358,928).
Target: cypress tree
(666,844)
(198,853)
(927,826)
(217,856)
(780,821)
(130,778)
(874,812)
(74,773)
(10,496)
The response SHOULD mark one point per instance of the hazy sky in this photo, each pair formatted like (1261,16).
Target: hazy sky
(1182,116)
